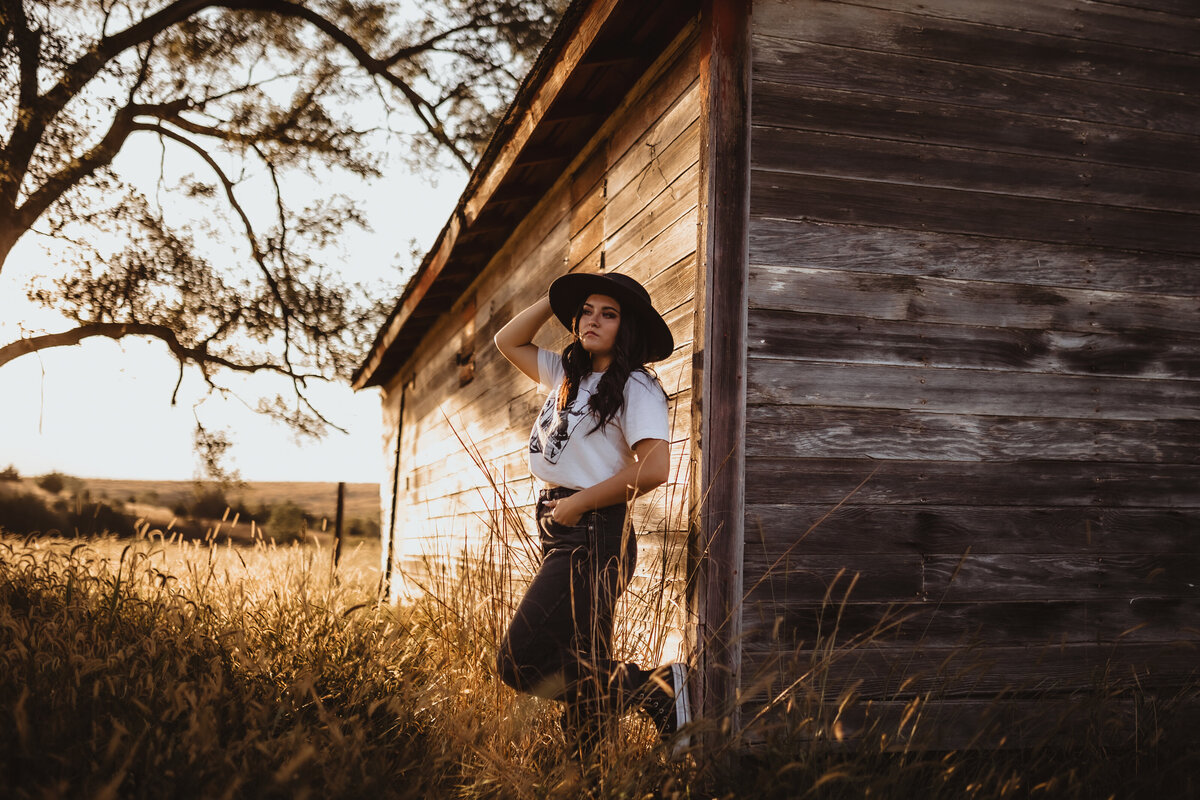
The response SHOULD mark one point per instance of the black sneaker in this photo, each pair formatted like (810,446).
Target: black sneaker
(668,704)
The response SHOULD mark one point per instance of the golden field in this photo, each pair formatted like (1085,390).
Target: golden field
(318,498)
(152,668)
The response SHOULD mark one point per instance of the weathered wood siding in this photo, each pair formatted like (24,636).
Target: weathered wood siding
(628,203)
(973,297)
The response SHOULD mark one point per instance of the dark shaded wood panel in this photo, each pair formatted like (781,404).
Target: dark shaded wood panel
(1003,673)
(965,167)
(865,340)
(852,248)
(907,30)
(1002,130)
(976,303)
(901,77)
(835,579)
(806,197)
(1184,8)
(962,483)
(969,578)
(855,528)
(945,624)
(817,432)
(1094,21)
(722,224)
(936,724)
(775,381)
(1124,576)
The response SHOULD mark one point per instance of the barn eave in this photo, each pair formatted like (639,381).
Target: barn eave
(589,64)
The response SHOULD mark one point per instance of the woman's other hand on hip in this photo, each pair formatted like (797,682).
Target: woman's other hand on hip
(565,512)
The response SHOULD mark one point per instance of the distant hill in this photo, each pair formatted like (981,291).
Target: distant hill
(317,498)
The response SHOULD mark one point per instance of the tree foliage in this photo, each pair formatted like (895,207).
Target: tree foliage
(237,108)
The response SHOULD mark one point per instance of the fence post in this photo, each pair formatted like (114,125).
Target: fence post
(337,525)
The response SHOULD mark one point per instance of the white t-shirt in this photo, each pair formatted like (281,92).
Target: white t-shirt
(563,449)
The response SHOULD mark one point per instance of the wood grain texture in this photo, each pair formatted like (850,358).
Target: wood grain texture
(905,30)
(866,340)
(723,226)
(854,528)
(985,304)
(816,432)
(839,68)
(890,251)
(964,167)
(1136,25)
(994,673)
(783,104)
(969,578)
(920,207)
(973,383)
(1074,620)
(966,483)
(777,381)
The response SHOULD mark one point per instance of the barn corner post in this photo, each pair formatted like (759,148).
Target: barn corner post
(718,484)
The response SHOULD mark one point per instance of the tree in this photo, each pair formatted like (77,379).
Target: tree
(52,482)
(250,93)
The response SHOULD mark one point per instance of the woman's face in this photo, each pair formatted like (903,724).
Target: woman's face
(598,324)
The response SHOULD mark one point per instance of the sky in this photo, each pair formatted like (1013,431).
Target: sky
(102,409)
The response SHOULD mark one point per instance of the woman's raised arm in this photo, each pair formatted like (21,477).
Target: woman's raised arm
(515,340)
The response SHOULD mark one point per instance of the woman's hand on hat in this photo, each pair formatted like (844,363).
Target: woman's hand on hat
(563,511)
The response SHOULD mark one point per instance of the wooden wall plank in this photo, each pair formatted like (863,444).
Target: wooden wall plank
(1055,178)
(1096,22)
(866,340)
(995,304)
(845,69)
(850,248)
(907,31)
(1183,8)
(1023,483)
(997,129)
(946,624)
(991,672)
(631,166)
(673,205)
(818,432)
(859,528)
(960,391)
(970,578)
(931,208)
(1119,576)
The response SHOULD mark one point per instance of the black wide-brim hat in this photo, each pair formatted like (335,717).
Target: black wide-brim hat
(568,293)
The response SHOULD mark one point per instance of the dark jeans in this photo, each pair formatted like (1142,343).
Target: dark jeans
(559,644)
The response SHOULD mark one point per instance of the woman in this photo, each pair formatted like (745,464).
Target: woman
(600,440)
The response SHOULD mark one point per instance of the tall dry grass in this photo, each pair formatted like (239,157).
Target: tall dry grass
(151,669)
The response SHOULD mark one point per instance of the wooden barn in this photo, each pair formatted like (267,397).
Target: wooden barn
(931,269)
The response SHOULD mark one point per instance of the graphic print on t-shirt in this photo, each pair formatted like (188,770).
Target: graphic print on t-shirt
(556,427)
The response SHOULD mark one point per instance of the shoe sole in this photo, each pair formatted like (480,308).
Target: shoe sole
(683,708)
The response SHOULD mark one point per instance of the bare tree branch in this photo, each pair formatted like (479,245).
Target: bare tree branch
(198,355)
(82,167)
(375,66)
(84,75)
(252,238)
